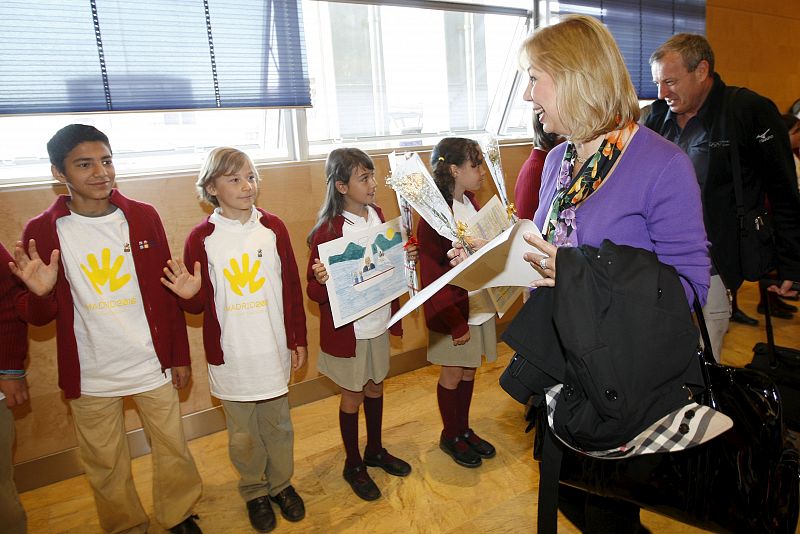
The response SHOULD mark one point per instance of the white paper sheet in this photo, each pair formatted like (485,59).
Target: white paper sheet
(488,223)
(498,263)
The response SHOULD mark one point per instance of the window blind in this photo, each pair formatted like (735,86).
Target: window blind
(117,55)
(639,27)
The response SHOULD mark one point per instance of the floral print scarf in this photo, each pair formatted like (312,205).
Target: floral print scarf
(560,229)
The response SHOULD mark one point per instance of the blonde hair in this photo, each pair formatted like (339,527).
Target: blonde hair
(221,161)
(594,93)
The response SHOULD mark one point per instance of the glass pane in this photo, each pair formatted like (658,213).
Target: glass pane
(143,142)
(520,113)
(519,4)
(394,72)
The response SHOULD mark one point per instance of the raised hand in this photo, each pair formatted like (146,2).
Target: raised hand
(320,273)
(180,281)
(38,276)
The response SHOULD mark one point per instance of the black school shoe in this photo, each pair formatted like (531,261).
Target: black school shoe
(360,481)
(738,316)
(290,503)
(460,451)
(391,464)
(479,445)
(781,305)
(259,510)
(187,526)
(780,314)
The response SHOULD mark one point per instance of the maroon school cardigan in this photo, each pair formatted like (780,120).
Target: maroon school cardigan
(294,315)
(150,251)
(447,311)
(13,330)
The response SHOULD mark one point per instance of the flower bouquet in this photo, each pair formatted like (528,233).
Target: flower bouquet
(411,180)
(407,220)
(491,153)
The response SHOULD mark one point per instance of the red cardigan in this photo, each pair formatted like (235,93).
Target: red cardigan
(339,342)
(447,311)
(164,317)
(13,330)
(294,315)
(529,180)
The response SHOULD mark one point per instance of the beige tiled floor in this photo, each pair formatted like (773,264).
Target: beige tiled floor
(438,496)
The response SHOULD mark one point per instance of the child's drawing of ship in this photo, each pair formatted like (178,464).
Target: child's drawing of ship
(372,272)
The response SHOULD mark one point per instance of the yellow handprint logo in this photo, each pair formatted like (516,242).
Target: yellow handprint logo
(105,273)
(239,277)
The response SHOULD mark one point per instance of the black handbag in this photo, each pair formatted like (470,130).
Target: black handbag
(745,480)
(756,236)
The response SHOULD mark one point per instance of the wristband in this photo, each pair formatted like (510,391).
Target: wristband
(13,377)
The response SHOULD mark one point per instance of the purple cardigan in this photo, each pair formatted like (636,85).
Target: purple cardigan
(651,201)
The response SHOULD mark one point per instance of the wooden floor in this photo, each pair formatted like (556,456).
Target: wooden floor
(438,496)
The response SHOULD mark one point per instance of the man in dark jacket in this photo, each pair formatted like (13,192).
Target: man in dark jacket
(699,113)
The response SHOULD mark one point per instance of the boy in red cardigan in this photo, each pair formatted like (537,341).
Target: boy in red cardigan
(119,331)
(13,391)
(245,282)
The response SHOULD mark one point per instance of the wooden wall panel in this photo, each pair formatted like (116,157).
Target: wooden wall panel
(293,191)
(756,46)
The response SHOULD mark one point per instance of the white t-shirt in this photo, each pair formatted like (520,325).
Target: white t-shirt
(374,323)
(115,347)
(245,271)
(480,305)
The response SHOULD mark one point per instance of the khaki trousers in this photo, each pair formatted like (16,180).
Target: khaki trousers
(103,446)
(12,516)
(261,445)
(717,313)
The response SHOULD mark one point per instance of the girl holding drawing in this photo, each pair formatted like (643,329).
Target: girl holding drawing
(246,283)
(461,326)
(355,356)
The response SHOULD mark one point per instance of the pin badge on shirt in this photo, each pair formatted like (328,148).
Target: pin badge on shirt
(259,253)
(126,247)
(143,244)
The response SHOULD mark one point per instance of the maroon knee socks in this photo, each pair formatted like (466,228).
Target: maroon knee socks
(348,424)
(464,395)
(448,401)
(373,413)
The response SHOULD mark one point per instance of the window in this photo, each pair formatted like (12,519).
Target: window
(639,27)
(389,75)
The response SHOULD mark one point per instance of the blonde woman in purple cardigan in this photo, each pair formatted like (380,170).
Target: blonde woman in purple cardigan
(610,180)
